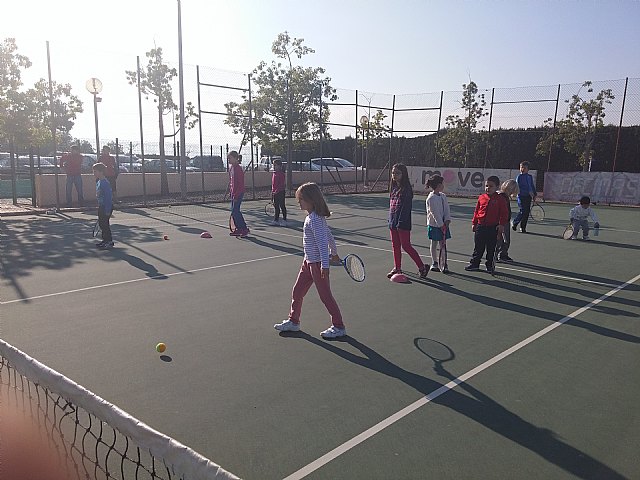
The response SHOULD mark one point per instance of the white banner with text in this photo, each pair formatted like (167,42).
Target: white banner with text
(461,181)
(607,187)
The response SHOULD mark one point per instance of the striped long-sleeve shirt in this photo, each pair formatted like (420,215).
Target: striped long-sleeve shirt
(317,240)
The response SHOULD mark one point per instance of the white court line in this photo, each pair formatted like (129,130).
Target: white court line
(84,289)
(370,432)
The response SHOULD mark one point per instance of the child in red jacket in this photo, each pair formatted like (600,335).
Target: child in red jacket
(489,219)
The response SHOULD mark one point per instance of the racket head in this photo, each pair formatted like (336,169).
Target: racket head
(442,256)
(270,210)
(354,266)
(232,224)
(537,213)
(568,232)
(97,231)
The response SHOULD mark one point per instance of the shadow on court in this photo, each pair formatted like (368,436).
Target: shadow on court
(476,406)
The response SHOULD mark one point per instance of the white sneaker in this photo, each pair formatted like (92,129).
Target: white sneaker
(287,326)
(333,332)
(283,223)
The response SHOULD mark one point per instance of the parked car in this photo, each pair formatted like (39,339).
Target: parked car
(265,162)
(328,163)
(208,163)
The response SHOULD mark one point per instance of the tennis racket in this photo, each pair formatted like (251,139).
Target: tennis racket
(537,212)
(270,209)
(442,257)
(354,266)
(437,351)
(568,232)
(97,231)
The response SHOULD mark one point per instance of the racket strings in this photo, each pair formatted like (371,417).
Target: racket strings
(355,268)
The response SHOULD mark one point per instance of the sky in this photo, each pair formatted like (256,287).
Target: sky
(399,47)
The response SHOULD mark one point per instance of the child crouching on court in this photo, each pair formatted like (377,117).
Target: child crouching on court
(579,217)
(318,245)
(105,205)
(489,220)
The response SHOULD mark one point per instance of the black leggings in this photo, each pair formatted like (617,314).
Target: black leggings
(278,203)
(103,221)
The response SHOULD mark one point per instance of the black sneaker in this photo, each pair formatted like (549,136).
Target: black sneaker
(507,260)
(106,246)
(472,268)
(424,271)
(514,227)
(491,269)
(445,269)
(100,244)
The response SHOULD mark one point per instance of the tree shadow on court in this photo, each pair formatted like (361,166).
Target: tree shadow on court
(575,275)
(56,243)
(476,406)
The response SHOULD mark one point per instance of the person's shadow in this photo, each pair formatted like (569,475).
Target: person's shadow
(477,406)
(150,270)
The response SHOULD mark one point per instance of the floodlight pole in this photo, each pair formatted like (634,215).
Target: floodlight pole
(95,118)
(183,147)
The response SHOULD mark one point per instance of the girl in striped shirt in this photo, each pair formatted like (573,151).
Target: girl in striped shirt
(319,248)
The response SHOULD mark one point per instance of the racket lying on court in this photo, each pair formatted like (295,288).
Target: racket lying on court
(354,267)
(568,232)
(442,257)
(97,231)
(537,212)
(437,351)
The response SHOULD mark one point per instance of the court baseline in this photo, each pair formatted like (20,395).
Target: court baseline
(370,432)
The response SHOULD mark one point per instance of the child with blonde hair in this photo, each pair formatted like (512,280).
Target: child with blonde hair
(319,248)
(508,190)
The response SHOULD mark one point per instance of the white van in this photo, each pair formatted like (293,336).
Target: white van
(265,163)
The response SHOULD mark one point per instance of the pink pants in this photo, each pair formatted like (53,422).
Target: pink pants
(309,274)
(401,239)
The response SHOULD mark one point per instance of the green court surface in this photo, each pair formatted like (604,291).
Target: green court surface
(542,380)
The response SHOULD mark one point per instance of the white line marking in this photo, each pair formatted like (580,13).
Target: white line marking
(370,432)
(18,300)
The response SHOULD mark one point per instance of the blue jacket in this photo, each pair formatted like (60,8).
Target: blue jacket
(104,195)
(526,185)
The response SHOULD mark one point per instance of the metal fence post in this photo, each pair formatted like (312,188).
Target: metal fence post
(624,99)
(553,129)
(253,178)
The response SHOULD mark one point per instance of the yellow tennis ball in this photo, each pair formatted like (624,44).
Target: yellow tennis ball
(161,347)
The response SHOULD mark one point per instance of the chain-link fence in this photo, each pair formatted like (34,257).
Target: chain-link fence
(366,131)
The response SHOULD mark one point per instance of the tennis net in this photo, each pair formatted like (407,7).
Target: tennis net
(93,438)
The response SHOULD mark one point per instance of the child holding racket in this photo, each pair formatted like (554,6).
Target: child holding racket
(527,194)
(319,248)
(400,204)
(105,205)
(489,219)
(438,219)
(507,190)
(579,216)
(278,193)
(236,190)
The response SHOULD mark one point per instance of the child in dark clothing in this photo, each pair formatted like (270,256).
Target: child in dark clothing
(105,205)
(489,219)
(278,193)
(507,190)
(400,204)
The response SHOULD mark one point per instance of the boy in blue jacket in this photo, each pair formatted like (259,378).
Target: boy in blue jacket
(104,195)
(527,193)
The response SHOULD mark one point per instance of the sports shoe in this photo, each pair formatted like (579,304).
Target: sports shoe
(506,259)
(106,246)
(586,238)
(283,223)
(573,237)
(275,223)
(333,332)
(523,230)
(514,227)
(244,233)
(235,233)
(424,271)
(393,271)
(287,326)
(434,267)
(445,269)
(100,244)
(472,268)
(491,269)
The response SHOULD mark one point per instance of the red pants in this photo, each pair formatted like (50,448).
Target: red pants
(309,274)
(401,239)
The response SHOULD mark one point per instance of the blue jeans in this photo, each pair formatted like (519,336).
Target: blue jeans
(238,219)
(77,181)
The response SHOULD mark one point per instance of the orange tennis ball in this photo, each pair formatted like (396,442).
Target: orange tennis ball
(166,237)
(161,347)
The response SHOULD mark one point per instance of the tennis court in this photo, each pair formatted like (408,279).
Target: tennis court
(530,374)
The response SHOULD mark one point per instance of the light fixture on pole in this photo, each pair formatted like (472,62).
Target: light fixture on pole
(94,87)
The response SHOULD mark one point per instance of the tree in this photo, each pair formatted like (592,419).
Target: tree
(286,105)
(576,133)
(25,115)
(461,138)
(155,81)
